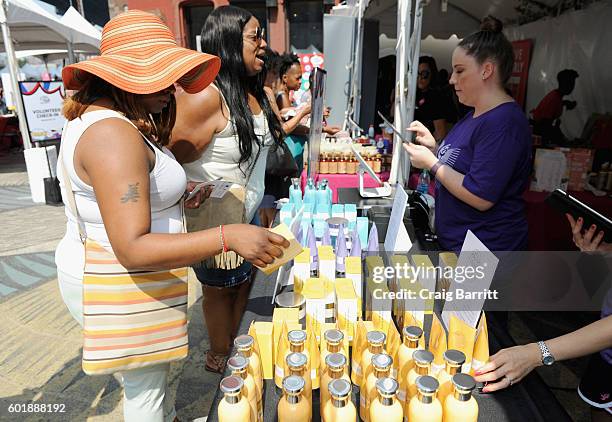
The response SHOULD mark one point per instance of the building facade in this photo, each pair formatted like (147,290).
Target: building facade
(291,25)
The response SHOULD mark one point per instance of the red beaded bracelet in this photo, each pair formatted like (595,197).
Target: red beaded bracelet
(222,236)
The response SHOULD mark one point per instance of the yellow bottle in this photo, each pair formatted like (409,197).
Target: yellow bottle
(453,360)
(335,368)
(334,344)
(244,346)
(385,407)
(381,368)
(293,406)
(297,364)
(422,366)
(375,342)
(234,407)
(340,408)
(238,365)
(461,405)
(425,406)
(412,335)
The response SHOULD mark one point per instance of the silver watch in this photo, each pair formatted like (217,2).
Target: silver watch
(547,357)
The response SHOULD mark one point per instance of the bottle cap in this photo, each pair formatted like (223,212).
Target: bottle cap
(290,300)
(427,384)
(464,382)
(454,357)
(293,384)
(423,357)
(297,336)
(231,385)
(382,361)
(333,336)
(237,363)
(413,332)
(336,222)
(387,386)
(296,360)
(376,337)
(244,341)
(335,360)
(339,388)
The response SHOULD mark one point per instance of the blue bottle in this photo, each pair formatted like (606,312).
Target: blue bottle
(295,193)
(310,193)
(423,185)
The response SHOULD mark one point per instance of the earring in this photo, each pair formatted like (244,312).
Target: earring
(483,77)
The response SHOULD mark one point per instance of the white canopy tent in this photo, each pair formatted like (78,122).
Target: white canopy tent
(27,26)
(409,21)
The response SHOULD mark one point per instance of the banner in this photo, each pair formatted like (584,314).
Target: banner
(520,72)
(43,108)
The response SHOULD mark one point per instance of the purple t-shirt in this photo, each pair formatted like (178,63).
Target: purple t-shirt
(493,151)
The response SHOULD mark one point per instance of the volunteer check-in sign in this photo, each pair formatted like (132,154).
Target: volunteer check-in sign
(43,102)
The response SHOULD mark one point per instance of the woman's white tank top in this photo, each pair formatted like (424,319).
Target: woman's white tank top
(220,161)
(167,186)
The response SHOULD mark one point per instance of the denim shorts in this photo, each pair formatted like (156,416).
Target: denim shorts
(216,277)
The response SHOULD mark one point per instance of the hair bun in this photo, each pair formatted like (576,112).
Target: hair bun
(490,23)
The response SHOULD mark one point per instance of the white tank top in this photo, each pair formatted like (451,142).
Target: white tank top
(220,161)
(167,185)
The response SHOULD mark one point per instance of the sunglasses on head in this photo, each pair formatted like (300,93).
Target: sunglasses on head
(424,74)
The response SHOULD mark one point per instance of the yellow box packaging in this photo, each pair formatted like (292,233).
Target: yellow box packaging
(346,308)
(280,315)
(315,295)
(327,262)
(379,304)
(446,260)
(263,332)
(437,345)
(481,348)
(353,272)
(301,270)
(289,253)
(426,274)
(462,337)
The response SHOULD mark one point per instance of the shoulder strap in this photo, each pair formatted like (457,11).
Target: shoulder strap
(70,193)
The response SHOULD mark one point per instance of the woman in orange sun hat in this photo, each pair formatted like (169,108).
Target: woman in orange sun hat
(121,262)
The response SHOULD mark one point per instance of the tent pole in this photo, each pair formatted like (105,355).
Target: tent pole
(401,87)
(71,58)
(12,62)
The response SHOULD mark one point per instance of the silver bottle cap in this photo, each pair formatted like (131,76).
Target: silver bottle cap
(296,360)
(464,382)
(231,385)
(423,357)
(297,336)
(382,361)
(290,300)
(413,332)
(376,337)
(335,360)
(387,386)
(335,222)
(339,388)
(244,341)
(333,336)
(237,363)
(427,384)
(293,384)
(454,357)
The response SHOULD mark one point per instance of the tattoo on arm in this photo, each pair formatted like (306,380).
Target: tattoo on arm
(132,194)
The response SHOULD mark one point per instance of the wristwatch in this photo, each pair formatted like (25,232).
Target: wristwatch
(547,357)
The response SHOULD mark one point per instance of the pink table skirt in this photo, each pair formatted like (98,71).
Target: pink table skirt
(345,181)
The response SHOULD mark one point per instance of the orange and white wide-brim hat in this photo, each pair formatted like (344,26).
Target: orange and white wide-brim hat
(139,54)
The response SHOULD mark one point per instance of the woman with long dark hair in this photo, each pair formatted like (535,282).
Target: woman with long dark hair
(224,132)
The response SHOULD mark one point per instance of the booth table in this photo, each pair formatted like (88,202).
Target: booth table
(344,181)
(529,400)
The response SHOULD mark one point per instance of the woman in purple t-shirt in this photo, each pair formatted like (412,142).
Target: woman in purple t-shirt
(483,164)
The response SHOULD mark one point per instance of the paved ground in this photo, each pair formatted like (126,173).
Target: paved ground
(41,343)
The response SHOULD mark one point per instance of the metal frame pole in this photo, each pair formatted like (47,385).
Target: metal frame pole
(12,62)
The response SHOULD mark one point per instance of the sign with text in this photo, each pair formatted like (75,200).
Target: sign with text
(520,71)
(43,102)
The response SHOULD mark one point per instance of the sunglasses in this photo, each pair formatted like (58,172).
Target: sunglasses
(258,36)
(424,74)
